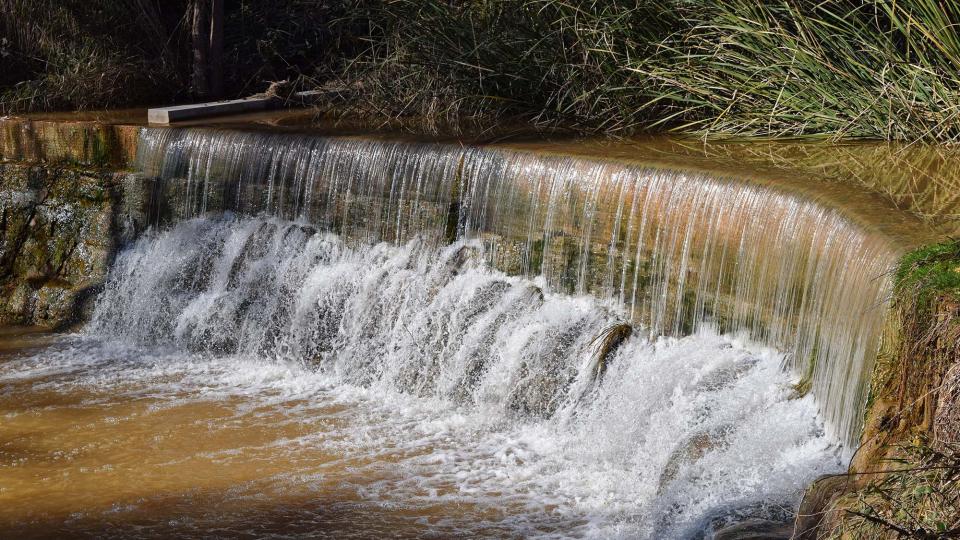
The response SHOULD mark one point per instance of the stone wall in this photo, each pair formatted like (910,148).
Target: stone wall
(59,230)
(66,207)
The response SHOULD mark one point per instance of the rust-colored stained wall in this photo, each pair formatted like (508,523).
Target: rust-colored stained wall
(85,143)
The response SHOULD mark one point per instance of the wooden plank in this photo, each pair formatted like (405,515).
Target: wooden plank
(167,115)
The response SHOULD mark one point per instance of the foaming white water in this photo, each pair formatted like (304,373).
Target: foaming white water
(481,387)
(677,248)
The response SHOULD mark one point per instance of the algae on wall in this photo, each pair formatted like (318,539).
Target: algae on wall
(59,229)
(86,144)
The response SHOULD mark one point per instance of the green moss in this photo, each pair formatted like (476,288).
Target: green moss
(927,272)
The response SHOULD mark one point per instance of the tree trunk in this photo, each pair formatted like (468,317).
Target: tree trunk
(199,34)
(216,49)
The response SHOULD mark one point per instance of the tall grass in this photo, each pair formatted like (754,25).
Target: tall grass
(887,69)
(771,68)
(882,69)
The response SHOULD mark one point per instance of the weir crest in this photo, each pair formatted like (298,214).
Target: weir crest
(674,249)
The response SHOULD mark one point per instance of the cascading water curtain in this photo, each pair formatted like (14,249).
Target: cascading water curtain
(675,249)
(487,385)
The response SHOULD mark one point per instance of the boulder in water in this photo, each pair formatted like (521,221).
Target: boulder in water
(690,451)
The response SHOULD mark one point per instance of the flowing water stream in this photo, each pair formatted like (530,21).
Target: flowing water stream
(259,376)
(362,338)
(675,248)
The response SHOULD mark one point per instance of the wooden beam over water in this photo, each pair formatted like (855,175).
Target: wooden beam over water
(167,115)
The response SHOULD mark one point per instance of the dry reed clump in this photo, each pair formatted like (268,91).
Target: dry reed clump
(918,497)
(867,69)
(946,428)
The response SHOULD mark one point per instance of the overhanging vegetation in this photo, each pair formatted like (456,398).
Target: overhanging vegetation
(885,69)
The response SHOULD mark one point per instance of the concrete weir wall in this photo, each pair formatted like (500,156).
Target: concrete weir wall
(55,142)
(790,263)
(795,263)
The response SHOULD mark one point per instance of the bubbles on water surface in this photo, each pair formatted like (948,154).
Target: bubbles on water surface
(445,383)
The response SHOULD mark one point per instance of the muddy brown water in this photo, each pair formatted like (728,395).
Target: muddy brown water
(115,460)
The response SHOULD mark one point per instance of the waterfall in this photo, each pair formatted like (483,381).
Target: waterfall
(674,249)
(684,432)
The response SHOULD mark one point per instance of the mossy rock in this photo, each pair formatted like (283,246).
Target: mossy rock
(59,229)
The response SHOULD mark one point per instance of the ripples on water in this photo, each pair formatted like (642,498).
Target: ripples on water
(257,377)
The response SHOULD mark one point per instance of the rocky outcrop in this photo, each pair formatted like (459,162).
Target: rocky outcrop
(59,229)
(66,205)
